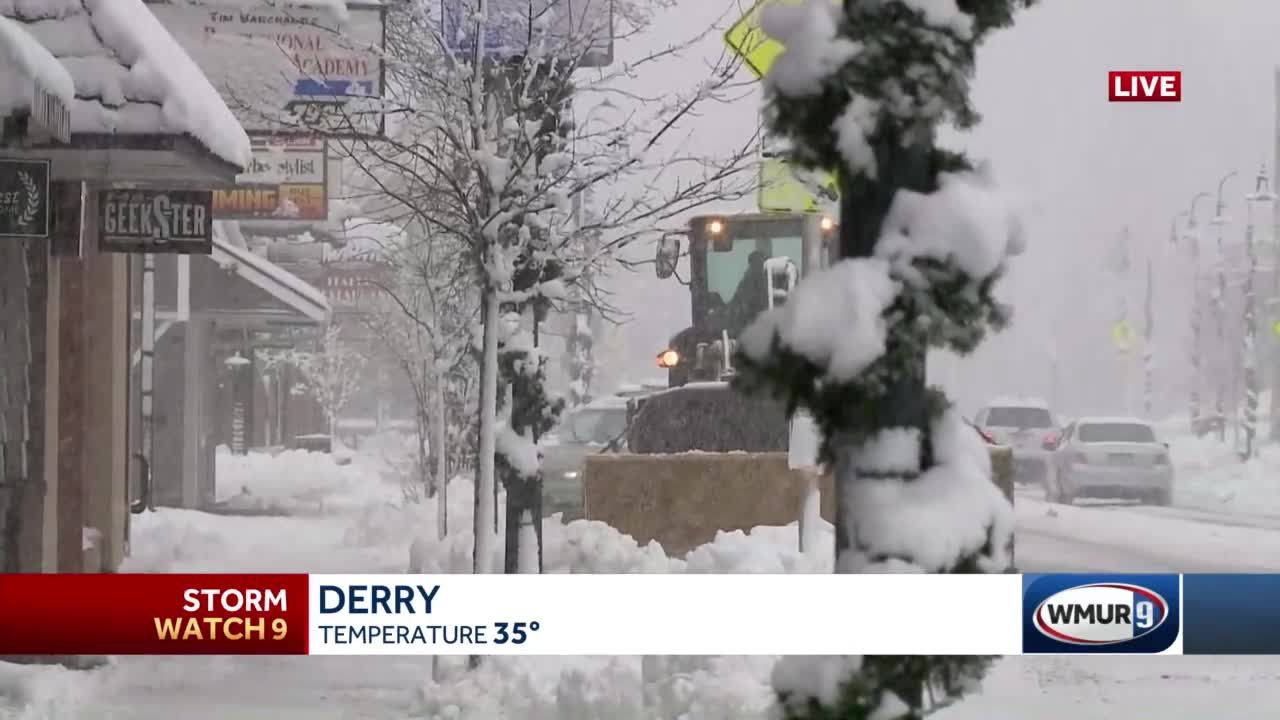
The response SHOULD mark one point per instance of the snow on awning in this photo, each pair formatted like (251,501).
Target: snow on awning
(130,76)
(281,284)
(32,62)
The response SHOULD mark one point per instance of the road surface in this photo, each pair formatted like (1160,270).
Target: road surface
(1102,537)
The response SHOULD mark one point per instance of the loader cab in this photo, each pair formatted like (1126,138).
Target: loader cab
(736,271)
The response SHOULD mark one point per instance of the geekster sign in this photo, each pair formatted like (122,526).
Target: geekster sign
(155,221)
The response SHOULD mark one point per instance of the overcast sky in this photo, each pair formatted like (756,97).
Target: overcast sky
(1086,167)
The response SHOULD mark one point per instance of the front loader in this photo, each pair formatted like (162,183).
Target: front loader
(703,457)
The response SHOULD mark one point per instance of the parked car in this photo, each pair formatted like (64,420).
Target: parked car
(1100,457)
(599,426)
(987,437)
(1028,427)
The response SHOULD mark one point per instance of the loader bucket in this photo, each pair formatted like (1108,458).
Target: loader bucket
(682,500)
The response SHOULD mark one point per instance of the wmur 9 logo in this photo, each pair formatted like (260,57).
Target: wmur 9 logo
(1100,613)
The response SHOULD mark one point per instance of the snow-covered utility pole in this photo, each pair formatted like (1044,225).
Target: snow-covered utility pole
(1192,236)
(1252,383)
(1148,344)
(925,268)
(1219,223)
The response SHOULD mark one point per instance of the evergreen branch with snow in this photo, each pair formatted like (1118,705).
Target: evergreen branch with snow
(862,88)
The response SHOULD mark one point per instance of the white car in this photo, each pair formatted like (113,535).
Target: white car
(1027,426)
(1110,457)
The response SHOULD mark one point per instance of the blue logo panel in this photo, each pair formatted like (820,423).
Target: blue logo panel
(1231,614)
(1100,613)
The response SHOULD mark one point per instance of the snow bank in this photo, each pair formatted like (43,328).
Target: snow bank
(593,688)
(45,692)
(1209,475)
(300,481)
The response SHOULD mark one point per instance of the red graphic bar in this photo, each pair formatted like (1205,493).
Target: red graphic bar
(100,614)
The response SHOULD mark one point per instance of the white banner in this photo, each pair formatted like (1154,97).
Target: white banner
(665,615)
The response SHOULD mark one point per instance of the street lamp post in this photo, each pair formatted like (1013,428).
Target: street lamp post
(1192,235)
(1220,221)
(1262,193)
(1148,345)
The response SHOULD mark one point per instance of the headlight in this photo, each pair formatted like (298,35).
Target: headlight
(571,474)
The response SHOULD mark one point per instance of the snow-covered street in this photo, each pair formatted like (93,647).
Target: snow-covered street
(353,521)
(1126,538)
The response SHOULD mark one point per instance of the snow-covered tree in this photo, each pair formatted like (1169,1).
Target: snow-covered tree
(423,317)
(924,239)
(329,373)
(484,147)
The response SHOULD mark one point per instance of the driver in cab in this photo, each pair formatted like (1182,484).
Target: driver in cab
(751,296)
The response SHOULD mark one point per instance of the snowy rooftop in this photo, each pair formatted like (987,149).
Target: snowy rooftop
(284,285)
(130,76)
(29,61)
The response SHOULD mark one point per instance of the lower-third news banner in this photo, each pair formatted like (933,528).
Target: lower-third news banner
(638,614)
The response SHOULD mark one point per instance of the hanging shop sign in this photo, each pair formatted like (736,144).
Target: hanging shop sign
(288,179)
(155,221)
(24,198)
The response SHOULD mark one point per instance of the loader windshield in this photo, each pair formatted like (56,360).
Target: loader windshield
(727,269)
